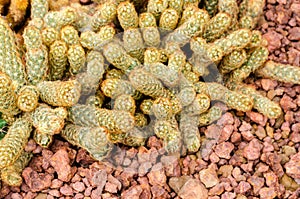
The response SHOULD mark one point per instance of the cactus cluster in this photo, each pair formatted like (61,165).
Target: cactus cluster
(75,76)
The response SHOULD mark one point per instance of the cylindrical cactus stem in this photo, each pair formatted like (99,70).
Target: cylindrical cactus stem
(95,64)
(217,26)
(115,87)
(156,7)
(49,35)
(125,103)
(69,35)
(113,120)
(11,175)
(200,104)
(28,98)
(96,100)
(127,15)
(255,60)
(60,93)
(170,134)
(32,37)
(58,59)
(280,72)
(8,98)
(37,64)
(230,7)
(149,29)
(176,5)
(210,116)
(116,55)
(51,20)
(13,143)
(151,55)
(193,27)
(211,6)
(187,13)
(89,83)
(188,3)
(114,74)
(186,96)
(257,40)
(147,84)
(164,73)
(162,108)
(177,61)
(93,139)
(233,61)
(42,139)
(168,20)
(67,16)
(48,120)
(246,22)
(140,120)
(261,103)
(219,92)
(133,43)
(76,58)
(39,8)
(11,62)
(253,8)
(236,40)
(134,137)
(190,132)
(146,106)
(104,15)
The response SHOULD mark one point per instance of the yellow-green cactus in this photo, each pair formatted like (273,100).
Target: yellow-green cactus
(147,84)
(149,29)
(42,139)
(168,20)
(60,93)
(49,35)
(51,20)
(11,174)
(187,13)
(255,60)
(8,98)
(212,115)
(165,73)
(217,26)
(140,120)
(95,64)
(200,104)
(32,37)
(186,96)
(58,59)
(10,61)
(89,39)
(37,64)
(151,55)
(12,145)
(95,100)
(67,16)
(39,8)
(28,98)
(261,103)
(188,3)
(115,87)
(156,7)
(116,55)
(69,35)
(211,6)
(113,120)
(252,8)
(176,5)
(105,14)
(93,139)
(162,108)
(190,132)
(48,120)
(230,7)
(127,15)
(280,72)
(233,61)
(76,58)
(125,103)
(146,106)
(177,61)
(114,74)
(133,43)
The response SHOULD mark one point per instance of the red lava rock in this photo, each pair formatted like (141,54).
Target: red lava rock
(294,57)
(157,175)
(228,195)
(193,188)
(66,190)
(209,177)
(171,165)
(30,195)
(293,166)
(243,187)
(16,196)
(224,149)
(267,193)
(79,196)
(226,119)
(294,33)
(158,192)
(133,192)
(257,117)
(35,181)
(111,188)
(31,145)
(226,133)
(99,178)
(252,150)
(54,193)
(60,161)
(144,168)
(78,186)
(245,126)
(56,183)
(84,158)
(216,190)
(274,40)
(247,135)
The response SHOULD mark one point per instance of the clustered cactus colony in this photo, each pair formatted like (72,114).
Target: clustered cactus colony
(71,63)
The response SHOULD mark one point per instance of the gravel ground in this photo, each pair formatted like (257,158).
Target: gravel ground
(243,155)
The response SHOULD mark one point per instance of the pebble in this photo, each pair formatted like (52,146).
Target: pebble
(224,149)
(78,186)
(193,189)
(61,163)
(252,150)
(209,177)
(292,167)
(66,190)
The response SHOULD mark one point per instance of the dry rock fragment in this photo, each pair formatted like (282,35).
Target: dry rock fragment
(61,163)
(209,177)
(252,150)
(224,149)
(193,189)
(293,166)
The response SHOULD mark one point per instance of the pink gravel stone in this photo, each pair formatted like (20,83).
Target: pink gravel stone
(78,186)
(252,150)
(61,163)
(224,149)
(66,190)
(293,166)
